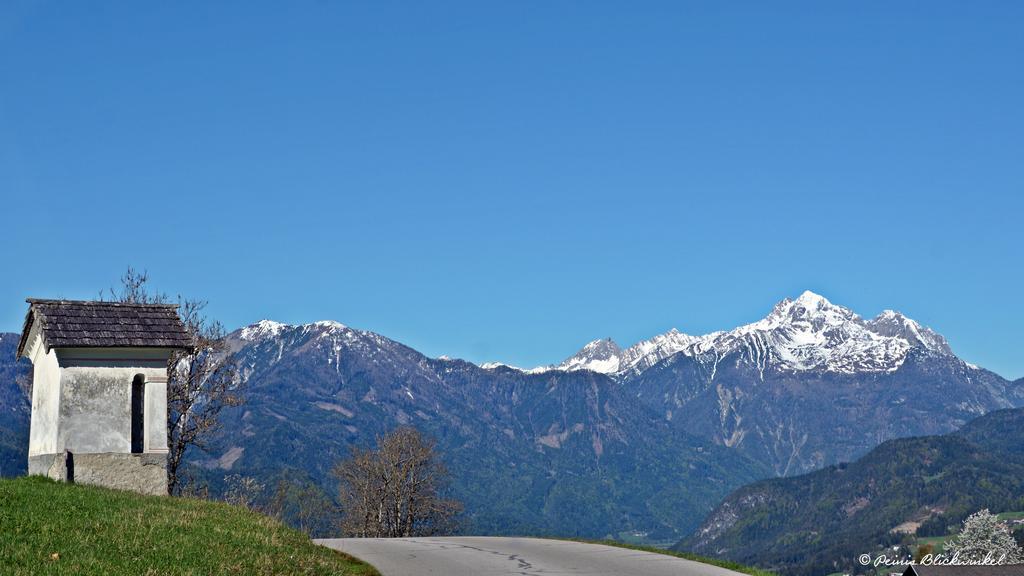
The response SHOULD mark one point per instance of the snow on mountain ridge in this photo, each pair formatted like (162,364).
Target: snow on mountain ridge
(891,323)
(262,330)
(265,329)
(647,353)
(328,340)
(808,333)
(597,356)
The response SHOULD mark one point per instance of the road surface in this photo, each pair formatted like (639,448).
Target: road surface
(492,556)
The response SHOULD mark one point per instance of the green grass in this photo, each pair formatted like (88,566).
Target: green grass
(685,555)
(1010,515)
(52,528)
(633,539)
(938,543)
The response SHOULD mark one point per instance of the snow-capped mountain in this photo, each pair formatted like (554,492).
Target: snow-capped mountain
(261,346)
(814,383)
(598,356)
(808,333)
(809,384)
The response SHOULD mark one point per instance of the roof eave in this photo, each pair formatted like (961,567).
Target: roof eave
(25,330)
(142,346)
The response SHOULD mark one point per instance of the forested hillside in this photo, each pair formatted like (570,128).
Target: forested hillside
(819,522)
(14,409)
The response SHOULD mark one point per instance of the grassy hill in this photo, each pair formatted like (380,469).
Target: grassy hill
(902,491)
(727,564)
(52,528)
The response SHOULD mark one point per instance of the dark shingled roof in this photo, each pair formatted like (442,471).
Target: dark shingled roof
(1005,570)
(79,324)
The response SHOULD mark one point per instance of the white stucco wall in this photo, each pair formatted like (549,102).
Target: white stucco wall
(156,415)
(45,397)
(95,408)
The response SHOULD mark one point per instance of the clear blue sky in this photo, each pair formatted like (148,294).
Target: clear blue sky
(508,180)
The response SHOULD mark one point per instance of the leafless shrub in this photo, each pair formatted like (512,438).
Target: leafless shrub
(395,489)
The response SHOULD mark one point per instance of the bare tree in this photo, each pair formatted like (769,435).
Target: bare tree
(395,490)
(201,382)
(134,289)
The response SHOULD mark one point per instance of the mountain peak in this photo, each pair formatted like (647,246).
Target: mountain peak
(604,346)
(810,299)
(262,330)
(598,356)
(269,329)
(809,310)
(330,324)
(893,324)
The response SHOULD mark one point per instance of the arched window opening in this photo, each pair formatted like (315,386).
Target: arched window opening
(138,428)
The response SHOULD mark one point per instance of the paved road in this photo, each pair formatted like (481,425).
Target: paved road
(491,556)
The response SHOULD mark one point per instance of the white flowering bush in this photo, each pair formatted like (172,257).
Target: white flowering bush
(985,536)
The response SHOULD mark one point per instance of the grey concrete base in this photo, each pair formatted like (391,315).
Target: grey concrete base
(143,473)
(43,464)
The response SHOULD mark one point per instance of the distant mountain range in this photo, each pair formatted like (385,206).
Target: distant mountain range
(818,523)
(15,410)
(809,385)
(636,442)
(554,453)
